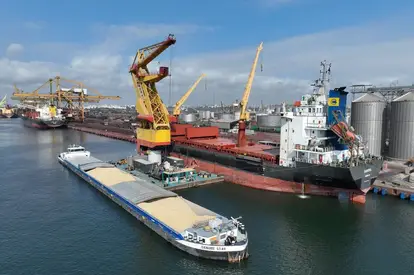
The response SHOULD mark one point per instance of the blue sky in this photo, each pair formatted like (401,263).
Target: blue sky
(93,41)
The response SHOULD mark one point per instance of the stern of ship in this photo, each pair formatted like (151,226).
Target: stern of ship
(364,175)
(229,253)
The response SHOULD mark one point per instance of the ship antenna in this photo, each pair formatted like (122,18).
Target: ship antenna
(322,82)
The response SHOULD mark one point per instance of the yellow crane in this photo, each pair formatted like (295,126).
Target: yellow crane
(244,115)
(180,102)
(72,99)
(153,125)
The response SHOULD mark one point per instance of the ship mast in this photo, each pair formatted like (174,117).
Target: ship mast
(321,84)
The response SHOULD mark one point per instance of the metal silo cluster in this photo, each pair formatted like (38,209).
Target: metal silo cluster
(382,123)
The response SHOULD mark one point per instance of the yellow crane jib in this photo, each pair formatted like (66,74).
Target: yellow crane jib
(244,115)
(177,107)
(153,118)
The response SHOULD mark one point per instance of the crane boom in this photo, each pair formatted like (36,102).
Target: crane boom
(244,115)
(72,98)
(177,107)
(153,118)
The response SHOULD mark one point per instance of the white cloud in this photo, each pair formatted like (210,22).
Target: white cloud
(14,49)
(376,53)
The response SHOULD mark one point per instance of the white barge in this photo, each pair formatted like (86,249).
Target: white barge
(188,226)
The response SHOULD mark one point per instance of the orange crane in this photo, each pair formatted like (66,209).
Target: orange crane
(153,125)
(71,99)
(180,102)
(244,114)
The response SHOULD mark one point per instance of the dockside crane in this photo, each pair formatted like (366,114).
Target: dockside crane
(153,125)
(180,102)
(72,99)
(244,114)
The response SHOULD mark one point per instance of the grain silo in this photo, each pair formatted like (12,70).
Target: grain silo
(269,122)
(188,118)
(368,117)
(402,127)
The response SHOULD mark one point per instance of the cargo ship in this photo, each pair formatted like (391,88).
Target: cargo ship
(186,225)
(6,111)
(318,152)
(44,117)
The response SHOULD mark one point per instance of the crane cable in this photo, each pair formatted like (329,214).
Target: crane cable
(261,62)
(169,75)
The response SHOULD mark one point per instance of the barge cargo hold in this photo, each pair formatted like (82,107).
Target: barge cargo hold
(188,226)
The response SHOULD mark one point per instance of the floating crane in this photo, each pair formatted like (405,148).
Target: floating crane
(179,103)
(244,115)
(153,125)
(72,99)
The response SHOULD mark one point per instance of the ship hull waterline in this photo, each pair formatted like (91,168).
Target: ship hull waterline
(219,253)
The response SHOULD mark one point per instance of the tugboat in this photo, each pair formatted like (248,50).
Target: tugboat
(45,117)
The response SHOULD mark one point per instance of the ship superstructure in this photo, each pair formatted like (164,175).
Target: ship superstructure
(305,134)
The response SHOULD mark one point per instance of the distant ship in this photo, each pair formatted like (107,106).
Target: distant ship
(45,117)
(6,111)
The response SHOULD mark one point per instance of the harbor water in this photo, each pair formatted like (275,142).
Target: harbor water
(52,222)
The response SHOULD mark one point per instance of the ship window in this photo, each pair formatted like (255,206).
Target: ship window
(309,110)
(313,132)
(313,110)
(222,236)
(293,130)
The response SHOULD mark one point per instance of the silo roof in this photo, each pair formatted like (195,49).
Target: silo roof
(369,98)
(406,97)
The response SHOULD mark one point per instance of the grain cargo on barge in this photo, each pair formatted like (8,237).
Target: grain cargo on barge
(186,225)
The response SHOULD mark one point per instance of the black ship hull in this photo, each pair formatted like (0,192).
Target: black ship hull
(354,178)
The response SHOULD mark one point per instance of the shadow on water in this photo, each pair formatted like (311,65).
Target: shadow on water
(52,222)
